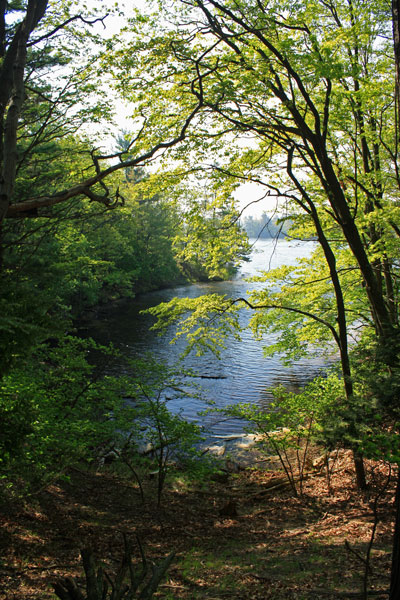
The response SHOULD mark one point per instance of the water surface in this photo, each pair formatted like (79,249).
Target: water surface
(243,373)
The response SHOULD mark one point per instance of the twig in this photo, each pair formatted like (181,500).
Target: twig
(373,532)
(358,555)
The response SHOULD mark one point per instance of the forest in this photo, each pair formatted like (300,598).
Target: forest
(127,133)
(265,226)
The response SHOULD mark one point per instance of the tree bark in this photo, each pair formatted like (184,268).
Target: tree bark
(12,74)
(396,47)
(341,315)
(394,593)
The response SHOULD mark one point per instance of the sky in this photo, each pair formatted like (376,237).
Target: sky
(246,193)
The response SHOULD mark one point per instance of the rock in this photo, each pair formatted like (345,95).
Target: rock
(216,450)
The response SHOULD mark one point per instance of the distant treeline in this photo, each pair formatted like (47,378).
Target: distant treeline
(266,226)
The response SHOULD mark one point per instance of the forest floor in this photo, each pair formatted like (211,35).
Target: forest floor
(247,537)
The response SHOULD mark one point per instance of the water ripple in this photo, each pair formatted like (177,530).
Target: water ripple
(243,374)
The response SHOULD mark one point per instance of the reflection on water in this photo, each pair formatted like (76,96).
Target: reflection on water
(242,374)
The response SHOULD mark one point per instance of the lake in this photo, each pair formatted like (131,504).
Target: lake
(242,374)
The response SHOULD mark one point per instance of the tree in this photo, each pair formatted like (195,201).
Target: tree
(38,27)
(50,173)
(265,227)
(211,244)
(55,410)
(300,79)
(308,88)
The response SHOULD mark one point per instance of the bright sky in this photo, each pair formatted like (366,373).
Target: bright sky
(247,193)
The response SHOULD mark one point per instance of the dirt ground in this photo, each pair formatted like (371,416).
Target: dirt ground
(244,536)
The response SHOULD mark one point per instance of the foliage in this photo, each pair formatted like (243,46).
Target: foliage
(56,409)
(209,243)
(212,244)
(292,422)
(298,98)
(294,96)
(298,306)
(77,257)
(205,321)
(153,437)
(52,270)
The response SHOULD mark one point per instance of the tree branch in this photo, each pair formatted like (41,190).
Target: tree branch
(20,209)
(290,309)
(64,24)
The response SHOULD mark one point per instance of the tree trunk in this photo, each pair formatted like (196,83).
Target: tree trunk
(394,593)
(12,73)
(396,45)
(341,314)
(360,470)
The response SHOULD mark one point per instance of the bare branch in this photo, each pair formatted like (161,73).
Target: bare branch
(64,24)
